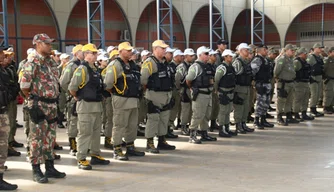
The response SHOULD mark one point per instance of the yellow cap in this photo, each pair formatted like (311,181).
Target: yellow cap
(76,49)
(125,45)
(113,53)
(89,47)
(9,53)
(159,43)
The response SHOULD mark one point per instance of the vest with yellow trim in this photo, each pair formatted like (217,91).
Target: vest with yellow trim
(162,79)
(129,82)
(92,91)
(105,93)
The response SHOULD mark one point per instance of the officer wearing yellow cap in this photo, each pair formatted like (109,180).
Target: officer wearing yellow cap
(113,54)
(65,79)
(156,78)
(122,80)
(86,88)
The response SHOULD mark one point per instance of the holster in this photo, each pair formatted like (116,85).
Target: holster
(74,110)
(224,99)
(313,80)
(281,92)
(36,114)
(260,89)
(152,108)
(184,96)
(237,100)
(195,93)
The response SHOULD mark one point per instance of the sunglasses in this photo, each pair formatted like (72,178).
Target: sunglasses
(206,53)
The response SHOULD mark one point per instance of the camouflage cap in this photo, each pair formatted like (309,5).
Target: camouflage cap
(42,37)
(317,45)
(301,50)
(290,46)
(331,49)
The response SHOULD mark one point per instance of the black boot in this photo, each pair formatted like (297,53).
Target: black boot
(265,123)
(107,143)
(250,118)
(98,160)
(271,109)
(150,146)
(51,171)
(184,130)
(223,132)
(132,151)
(37,174)
(16,144)
(170,134)
(118,153)
(6,186)
(281,121)
(257,124)
(306,117)
(240,129)
(320,104)
(227,128)
(193,137)
(140,131)
(206,137)
(163,145)
(268,116)
(12,152)
(328,110)
(297,117)
(213,125)
(57,147)
(178,124)
(60,119)
(73,146)
(246,128)
(316,113)
(290,119)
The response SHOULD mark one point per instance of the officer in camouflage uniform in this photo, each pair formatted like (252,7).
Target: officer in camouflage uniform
(4,127)
(285,72)
(329,82)
(39,83)
(262,72)
(302,88)
(71,116)
(156,78)
(86,88)
(317,66)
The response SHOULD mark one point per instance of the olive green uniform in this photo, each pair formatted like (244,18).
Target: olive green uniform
(302,92)
(315,87)
(329,82)
(108,112)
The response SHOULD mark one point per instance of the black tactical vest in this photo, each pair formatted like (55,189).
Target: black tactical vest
(245,78)
(228,80)
(303,75)
(203,80)
(14,87)
(264,75)
(92,91)
(132,79)
(4,93)
(183,80)
(318,68)
(172,69)
(162,79)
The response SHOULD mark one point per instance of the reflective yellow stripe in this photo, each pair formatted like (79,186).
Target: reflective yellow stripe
(83,78)
(115,81)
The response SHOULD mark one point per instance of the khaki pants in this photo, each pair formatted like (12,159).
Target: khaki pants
(72,121)
(301,97)
(12,114)
(109,117)
(125,124)
(142,113)
(315,93)
(241,111)
(62,101)
(215,107)
(176,110)
(89,126)
(329,93)
(4,129)
(201,112)
(157,123)
(225,111)
(284,105)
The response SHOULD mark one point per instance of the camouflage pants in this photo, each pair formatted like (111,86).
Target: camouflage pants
(42,136)
(4,129)
(263,101)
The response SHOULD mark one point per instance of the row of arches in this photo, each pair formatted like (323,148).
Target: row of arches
(304,28)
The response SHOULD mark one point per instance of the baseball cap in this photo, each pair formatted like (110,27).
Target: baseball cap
(228,52)
(262,46)
(113,53)
(331,49)
(212,52)
(102,57)
(289,46)
(177,53)
(202,49)
(301,50)
(3,48)
(30,50)
(56,52)
(64,56)
(170,50)
(144,53)
(110,49)
(159,43)
(243,46)
(222,41)
(189,51)
(42,37)
(89,47)
(125,45)
(77,48)
(317,45)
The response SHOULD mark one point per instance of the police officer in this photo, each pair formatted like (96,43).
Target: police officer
(4,127)
(71,116)
(200,80)
(180,83)
(224,86)
(285,73)
(317,66)
(329,82)
(86,88)
(241,97)
(272,54)
(64,59)
(156,78)
(39,83)
(123,81)
(221,46)
(215,102)
(262,72)
(302,87)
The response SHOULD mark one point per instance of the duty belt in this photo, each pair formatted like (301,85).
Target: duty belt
(285,81)
(205,92)
(43,99)
(225,92)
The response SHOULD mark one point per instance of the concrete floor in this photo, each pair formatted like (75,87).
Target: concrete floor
(295,158)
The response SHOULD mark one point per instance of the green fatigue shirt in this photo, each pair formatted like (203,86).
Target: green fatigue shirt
(67,74)
(284,69)
(194,71)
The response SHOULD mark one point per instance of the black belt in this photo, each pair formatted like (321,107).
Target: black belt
(225,92)
(43,99)
(204,92)
(285,81)
(303,80)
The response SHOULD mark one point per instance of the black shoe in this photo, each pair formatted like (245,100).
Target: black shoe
(320,104)
(232,133)
(98,160)
(297,117)
(16,144)
(239,128)
(193,137)
(57,147)
(246,128)
(257,124)
(178,124)
(268,116)
(140,133)
(119,155)
(37,174)
(306,117)
(316,113)
(107,143)
(73,146)
(250,118)
(84,165)
(163,145)
(132,151)
(12,152)
(265,123)
(123,143)
(18,125)
(61,125)
(185,130)
(6,186)
(51,171)
(150,146)
(223,132)
(170,135)
(213,125)
(328,110)
(271,109)
(56,157)
(206,137)
(280,120)
(290,119)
